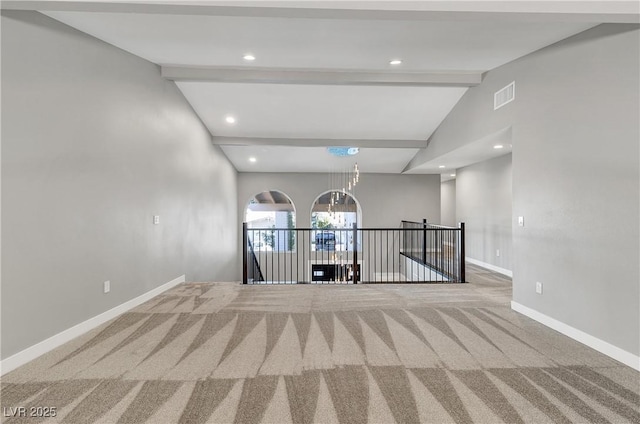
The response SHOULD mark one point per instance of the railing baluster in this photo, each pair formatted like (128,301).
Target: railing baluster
(354,271)
(386,236)
(369,264)
(462,255)
(245,254)
(393,258)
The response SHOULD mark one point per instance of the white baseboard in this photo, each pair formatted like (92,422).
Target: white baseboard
(31,353)
(497,269)
(601,346)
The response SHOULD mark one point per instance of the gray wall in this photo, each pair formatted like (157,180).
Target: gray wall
(483,203)
(385,199)
(94,143)
(575,130)
(448,203)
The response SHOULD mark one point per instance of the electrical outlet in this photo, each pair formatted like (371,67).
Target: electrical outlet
(107,286)
(521,221)
(498,252)
(538,287)
(156,219)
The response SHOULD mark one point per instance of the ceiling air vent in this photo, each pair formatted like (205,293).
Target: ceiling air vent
(504,96)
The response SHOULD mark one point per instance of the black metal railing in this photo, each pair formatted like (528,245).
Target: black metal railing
(413,253)
(439,247)
(254,273)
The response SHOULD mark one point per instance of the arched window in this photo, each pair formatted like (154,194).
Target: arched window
(334,210)
(269,215)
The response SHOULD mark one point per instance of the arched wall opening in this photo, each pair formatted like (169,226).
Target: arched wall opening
(334,210)
(266,212)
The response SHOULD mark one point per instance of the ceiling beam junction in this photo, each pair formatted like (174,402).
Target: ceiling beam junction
(319,142)
(321,77)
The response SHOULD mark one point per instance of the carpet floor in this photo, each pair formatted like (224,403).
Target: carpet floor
(227,353)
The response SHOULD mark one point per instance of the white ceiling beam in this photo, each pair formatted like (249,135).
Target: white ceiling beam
(626,11)
(319,142)
(320,77)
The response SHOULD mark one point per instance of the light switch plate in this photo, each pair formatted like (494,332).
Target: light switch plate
(521,221)
(538,287)
(107,286)
(156,219)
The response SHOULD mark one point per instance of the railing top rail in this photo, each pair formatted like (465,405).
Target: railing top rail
(412,222)
(444,227)
(447,227)
(351,229)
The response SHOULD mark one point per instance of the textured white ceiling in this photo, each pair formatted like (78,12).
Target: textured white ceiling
(473,152)
(319,111)
(320,43)
(295,37)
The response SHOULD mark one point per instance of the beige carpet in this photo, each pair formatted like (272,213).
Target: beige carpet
(227,353)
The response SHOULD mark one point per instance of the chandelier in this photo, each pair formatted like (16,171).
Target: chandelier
(341,185)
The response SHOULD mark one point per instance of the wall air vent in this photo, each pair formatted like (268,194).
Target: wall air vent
(504,96)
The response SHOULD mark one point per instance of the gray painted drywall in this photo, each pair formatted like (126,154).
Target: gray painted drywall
(385,199)
(448,203)
(483,203)
(575,131)
(94,143)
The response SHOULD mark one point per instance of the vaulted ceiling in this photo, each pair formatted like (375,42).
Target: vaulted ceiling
(321,73)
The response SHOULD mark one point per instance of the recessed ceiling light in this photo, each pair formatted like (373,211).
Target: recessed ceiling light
(249,57)
(230,120)
(395,62)
(252,159)
(452,175)
(441,166)
(498,146)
